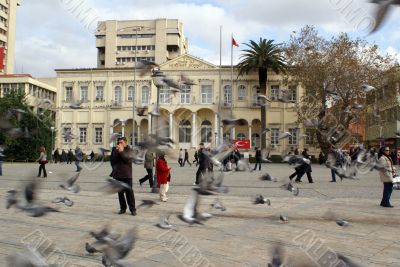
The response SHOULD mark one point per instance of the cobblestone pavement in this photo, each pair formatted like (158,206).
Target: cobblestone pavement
(243,235)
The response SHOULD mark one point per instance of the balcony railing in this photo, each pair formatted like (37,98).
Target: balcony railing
(116,104)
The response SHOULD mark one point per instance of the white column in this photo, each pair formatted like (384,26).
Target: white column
(111,132)
(138,134)
(171,125)
(123,129)
(194,129)
(250,134)
(149,125)
(233,131)
(216,129)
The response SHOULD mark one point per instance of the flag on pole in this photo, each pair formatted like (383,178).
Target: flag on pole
(234,42)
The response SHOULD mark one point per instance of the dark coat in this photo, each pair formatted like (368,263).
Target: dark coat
(121,164)
(162,170)
(203,162)
(258,154)
(305,167)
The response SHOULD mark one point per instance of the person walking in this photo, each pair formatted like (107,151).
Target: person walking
(298,168)
(163,176)
(78,158)
(339,160)
(42,161)
(305,168)
(202,164)
(321,158)
(180,159)
(258,159)
(63,157)
(56,156)
(92,156)
(386,174)
(121,165)
(196,158)
(186,159)
(70,156)
(148,165)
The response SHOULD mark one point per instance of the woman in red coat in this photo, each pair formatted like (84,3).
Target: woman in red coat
(163,170)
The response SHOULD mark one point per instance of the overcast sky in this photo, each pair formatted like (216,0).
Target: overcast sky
(54,34)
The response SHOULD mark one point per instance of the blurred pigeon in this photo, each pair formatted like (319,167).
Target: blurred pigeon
(355,105)
(190,209)
(259,199)
(65,200)
(11,198)
(165,224)
(172,84)
(144,66)
(76,105)
(283,218)
(238,122)
(185,80)
(347,261)
(290,187)
(264,98)
(342,223)
(284,135)
(114,137)
(140,112)
(268,177)
(119,249)
(103,151)
(381,11)
(217,204)
(90,248)
(266,130)
(38,211)
(71,185)
(367,88)
(277,255)
(29,258)
(114,186)
(30,191)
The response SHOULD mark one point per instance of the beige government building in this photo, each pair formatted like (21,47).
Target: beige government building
(191,116)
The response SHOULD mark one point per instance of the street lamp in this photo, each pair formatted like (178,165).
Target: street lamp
(51,151)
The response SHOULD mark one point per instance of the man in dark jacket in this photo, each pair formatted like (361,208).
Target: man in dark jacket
(63,157)
(186,158)
(148,165)
(56,156)
(305,168)
(258,159)
(121,165)
(70,157)
(203,164)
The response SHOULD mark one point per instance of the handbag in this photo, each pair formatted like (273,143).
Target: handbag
(396,183)
(43,161)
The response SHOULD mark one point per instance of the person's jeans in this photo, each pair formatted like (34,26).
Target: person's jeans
(180,162)
(258,162)
(149,177)
(200,172)
(163,191)
(387,192)
(1,168)
(78,167)
(333,174)
(186,160)
(42,167)
(128,194)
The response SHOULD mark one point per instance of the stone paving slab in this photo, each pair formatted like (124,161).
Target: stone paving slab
(243,235)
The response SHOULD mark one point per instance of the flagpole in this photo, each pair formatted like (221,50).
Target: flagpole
(220,87)
(232,75)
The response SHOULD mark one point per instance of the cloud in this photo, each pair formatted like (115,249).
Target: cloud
(56,34)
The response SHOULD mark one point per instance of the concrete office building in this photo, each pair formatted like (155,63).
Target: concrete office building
(120,42)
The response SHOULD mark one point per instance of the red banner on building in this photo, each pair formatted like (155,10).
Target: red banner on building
(1,58)
(242,144)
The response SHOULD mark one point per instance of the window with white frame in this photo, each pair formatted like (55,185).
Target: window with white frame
(274,92)
(99,93)
(98,135)
(206,93)
(256,92)
(118,94)
(68,94)
(293,138)
(227,95)
(84,93)
(82,135)
(206,132)
(185,94)
(292,92)
(241,93)
(185,130)
(274,136)
(131,92)
(240,136)
(255,140)
(309,136)
(67,135)
(164,95)
(145,95)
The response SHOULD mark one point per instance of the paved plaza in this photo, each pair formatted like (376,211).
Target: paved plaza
(243,235)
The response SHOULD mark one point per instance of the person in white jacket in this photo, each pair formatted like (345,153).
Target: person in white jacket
(386,175)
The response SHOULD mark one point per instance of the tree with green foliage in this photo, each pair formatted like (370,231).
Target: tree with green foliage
(261,57)
(34,128)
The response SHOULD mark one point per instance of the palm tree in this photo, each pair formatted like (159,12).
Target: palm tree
(261,57)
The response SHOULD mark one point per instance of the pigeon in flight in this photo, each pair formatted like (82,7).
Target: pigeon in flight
(381,11)
(284,135)
(71,184)
(38,211)
(147,203)
(259,199)
(165,224)
(190,214)
(114,186)
(67,202)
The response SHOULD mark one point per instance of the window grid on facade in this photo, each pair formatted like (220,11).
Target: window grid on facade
(145,95)
(240,136)
(227,95)
(206,132)
(274,92)
(293,92)
(118,94)
(293,138)
(274,136)
(99,93)
(309,137)
(98,138)
(164,95)
(82,135)
(67,133)
(241,92)
(256,92)
(206,94)
(68,94)
(185,94)
(131,92)
(84,93)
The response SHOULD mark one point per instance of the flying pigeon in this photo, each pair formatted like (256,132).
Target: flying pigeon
(283,218)
(65,200)
(114,186)
(71,184)
(165,224)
